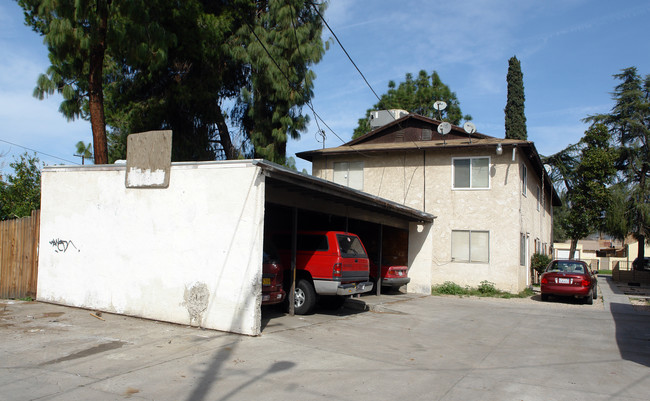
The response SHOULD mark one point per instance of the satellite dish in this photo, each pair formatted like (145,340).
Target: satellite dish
(444,128)
(470,128)
(439,105)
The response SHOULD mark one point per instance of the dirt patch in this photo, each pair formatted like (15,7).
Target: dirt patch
(640,304)
(50,314)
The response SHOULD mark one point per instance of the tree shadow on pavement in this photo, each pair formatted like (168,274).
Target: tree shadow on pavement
(210,376)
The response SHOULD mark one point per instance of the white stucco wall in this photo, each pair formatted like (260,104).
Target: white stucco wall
(188,254)
(425,183)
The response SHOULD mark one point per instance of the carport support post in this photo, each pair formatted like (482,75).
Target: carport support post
(294,240)
(381,237)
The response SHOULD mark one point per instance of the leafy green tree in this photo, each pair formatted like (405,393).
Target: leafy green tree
(559,216)
(21,193)
(84,151)
(417,95)
(261,68)
(616,216)
(586,180)
(629,125)
(515,116)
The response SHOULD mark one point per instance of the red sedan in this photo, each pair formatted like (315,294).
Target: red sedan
(392,277)
(272,275)
(569,278)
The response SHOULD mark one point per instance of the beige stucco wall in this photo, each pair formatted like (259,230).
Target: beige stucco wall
(424,181)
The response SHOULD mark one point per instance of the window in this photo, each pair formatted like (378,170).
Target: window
(471,173)
(539,197)
(470,246)
(350,246)
(524,179)
(349,174)
(522,250)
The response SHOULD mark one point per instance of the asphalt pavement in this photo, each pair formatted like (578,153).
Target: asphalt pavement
(397,346)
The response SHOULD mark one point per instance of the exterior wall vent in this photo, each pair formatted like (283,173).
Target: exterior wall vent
(399,137)
(426,134)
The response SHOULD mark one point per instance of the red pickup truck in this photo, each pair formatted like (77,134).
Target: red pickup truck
(330,264)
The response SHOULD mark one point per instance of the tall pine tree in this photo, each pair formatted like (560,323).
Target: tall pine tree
(515,116)
(75,33)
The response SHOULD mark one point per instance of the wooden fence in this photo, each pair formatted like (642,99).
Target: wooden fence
(19,256)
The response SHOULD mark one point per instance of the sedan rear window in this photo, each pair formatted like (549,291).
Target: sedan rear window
(350,246)
(566,267)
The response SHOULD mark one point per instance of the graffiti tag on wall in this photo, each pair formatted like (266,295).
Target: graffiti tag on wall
(62,245)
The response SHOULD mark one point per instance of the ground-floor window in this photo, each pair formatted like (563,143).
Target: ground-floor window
(522,250)
(470,246)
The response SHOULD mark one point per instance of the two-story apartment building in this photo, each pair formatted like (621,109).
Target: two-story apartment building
(492,198)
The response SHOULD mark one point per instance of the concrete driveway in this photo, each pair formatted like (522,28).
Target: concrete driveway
(405,347)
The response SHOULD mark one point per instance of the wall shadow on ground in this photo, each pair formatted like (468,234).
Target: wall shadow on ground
(632,333)
(278,311)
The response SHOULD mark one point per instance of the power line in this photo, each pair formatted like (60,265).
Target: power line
(38,151)
(344,51)
(291,84)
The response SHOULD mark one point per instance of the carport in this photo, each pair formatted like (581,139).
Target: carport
(189,251)
(295,201)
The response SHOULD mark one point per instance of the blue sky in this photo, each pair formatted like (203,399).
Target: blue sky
(569,50)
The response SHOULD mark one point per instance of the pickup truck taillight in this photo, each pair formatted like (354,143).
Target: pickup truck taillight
(337,270)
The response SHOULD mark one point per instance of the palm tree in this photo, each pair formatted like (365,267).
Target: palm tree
(84,151)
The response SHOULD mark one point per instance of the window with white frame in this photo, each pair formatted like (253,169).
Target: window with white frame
(470,246)
(471,173)
(524,179)
(349,174)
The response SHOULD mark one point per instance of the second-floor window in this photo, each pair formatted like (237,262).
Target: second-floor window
(524,179)
(471,173)
(349,174)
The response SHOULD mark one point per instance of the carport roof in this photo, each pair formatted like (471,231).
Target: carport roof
(283,176)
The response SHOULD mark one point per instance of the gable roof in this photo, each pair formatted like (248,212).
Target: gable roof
(414,133)
(413,127)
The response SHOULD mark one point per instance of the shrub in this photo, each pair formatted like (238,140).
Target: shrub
(487,288)
(539,261)
(449,288)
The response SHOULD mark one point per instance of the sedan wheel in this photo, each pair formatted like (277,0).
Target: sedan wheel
(544,297)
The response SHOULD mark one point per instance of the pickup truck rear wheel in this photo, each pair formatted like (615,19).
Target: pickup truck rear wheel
(305,297)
